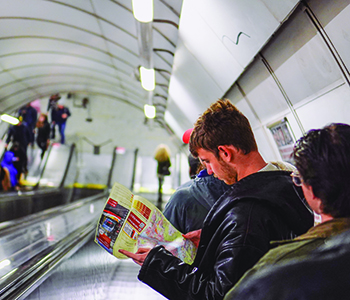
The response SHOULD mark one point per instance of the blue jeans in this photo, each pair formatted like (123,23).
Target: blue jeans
(61,128)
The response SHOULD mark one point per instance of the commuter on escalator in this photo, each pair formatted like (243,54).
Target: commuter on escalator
(261,205)
(29,115)
(53,101)
(162,156)
(19,133)
(59,116)
(43,134)
(7,163)
(19,160)
(191,202)
(323,170)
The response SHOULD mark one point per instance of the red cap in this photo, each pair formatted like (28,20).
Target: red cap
(186,135)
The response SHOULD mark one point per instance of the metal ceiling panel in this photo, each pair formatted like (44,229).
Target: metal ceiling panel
(292,57)
(262,92)
(333,17)
(185,81)
(280,9)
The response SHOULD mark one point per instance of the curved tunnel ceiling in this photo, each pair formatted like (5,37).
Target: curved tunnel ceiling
(88,47)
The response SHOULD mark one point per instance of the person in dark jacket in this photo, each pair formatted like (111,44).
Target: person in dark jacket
(43,134)
(322,159)
(20,160)
(262,205)
(29,115)
(19,133)
(189,205)
(59,116)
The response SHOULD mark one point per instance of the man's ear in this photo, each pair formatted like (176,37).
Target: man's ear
(314,202)
(225,153)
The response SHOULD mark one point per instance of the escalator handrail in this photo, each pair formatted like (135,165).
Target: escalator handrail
(43,169)
(134,169)
(26,278)
(72,151)
(12,226)
(114,157)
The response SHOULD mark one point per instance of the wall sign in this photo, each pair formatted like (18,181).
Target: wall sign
(284,138)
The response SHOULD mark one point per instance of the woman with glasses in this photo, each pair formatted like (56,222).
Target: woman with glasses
(322,159)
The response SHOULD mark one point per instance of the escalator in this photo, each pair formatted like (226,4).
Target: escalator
(50,254)
(49,184)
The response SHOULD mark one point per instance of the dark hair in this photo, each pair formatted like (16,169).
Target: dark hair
(322,158)
(222,124)
(194,164)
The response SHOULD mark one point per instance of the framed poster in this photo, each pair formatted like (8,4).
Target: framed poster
(284,138)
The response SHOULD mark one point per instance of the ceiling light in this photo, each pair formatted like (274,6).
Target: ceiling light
(150,111)
(143,10)
(147,77)
(9,119)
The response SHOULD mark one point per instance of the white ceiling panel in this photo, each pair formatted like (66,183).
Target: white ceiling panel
(297,64)
(5,78)
(82,4)
(262,92)
(117,15)
(332,18)
(242,27)
(53,11)
(216,60)
(176,119)
(246,109)
(280,9)
(120,38)
(186,84)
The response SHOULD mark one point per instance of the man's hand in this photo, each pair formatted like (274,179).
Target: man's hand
(138,257)
(194,236)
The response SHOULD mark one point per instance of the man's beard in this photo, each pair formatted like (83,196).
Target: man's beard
(230,176)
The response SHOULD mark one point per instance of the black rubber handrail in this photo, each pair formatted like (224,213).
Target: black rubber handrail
(134,169)
(114,158)
(44,167)
(32,273)
(9,227)
(22,280)
(71,153)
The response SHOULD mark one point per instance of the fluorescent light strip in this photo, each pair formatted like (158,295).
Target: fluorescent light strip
(148,81)
(9,119)
(143,10)
(150,111)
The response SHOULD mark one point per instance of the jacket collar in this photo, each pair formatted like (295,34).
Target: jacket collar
(321,231)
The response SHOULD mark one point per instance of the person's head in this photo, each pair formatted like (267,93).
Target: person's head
(322,159)
(8,158)
(222,124)
(220,137)
(42,118)
(20,120)
(194,164)
(162,153)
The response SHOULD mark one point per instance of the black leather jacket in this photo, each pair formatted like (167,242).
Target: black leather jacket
(259,208)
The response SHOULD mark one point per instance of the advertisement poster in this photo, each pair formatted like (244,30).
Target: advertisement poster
(283,137)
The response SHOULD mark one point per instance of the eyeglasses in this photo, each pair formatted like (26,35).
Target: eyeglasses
(296,178)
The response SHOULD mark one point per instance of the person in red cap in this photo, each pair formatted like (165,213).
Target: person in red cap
(261,205)
(186,136)
(190,203)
